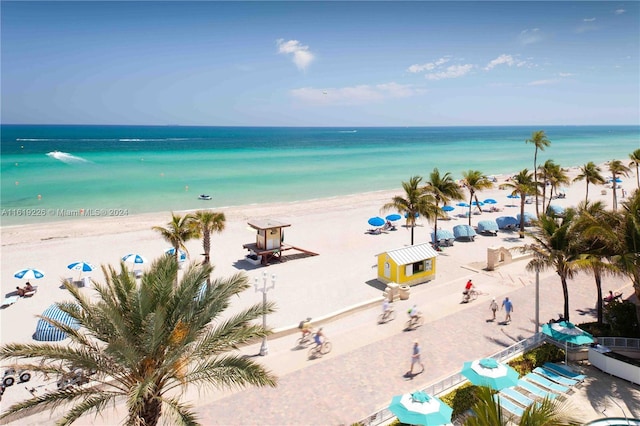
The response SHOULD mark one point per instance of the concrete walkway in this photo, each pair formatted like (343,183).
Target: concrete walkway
(368,362)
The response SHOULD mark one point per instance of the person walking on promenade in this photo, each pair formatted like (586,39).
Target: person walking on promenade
(494,307)
(415,357)
(508,308)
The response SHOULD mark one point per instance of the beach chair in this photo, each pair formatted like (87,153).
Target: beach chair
(9,300)
(509,406)
(546,383)
(517,396)
(565,371)
(552,375)
(535,390)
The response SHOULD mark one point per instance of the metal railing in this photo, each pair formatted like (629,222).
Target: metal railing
(620,343)
(451,382)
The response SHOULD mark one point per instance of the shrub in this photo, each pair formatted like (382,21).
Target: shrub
(526,362)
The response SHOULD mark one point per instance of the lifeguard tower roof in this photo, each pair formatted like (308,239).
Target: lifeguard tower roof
(267,224)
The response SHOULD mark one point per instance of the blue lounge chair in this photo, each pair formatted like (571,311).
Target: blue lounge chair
(552,375)
(509,406)
(535,390)
(564,371)
(517,396)
(546,383)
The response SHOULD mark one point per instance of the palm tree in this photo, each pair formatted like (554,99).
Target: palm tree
(475,181)
(548,412)
(635,162)
(626,241)
(414,203)
(590,173)
(593,223)
(147,343)
(554,247)
(557,176)
(178,231)
(208,221)
(522,185)
(540,140)
(617,169)
(443,189)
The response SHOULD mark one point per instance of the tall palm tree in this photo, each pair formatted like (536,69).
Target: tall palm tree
(555,248)
(147,343)
(626,241)
(475,182)
(522,185)
(590,173)
(548,412)
(415,202)
(557,177)
(540,140)
(443,189)
(635,162)
(207,222)
(178,231)
(589,230)
(617,168)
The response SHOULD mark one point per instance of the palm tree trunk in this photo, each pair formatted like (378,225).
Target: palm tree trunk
(586,195)
(598,277)
(565,294)
(615,196)
(149,414)
(470,206)
(535,177)
(522,215)
(435,232)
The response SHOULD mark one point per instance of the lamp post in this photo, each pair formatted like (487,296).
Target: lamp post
(537,298)
(264,349)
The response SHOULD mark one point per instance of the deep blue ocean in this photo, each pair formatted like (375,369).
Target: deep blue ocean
(110,170)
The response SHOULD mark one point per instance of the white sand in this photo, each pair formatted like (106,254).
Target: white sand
(344,273)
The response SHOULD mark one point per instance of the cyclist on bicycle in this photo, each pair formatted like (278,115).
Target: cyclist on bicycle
(467,290)
(318,338)
(305,327)
(413,312)
(386,306)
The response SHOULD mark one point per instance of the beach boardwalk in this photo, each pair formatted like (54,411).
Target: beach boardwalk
(408,265)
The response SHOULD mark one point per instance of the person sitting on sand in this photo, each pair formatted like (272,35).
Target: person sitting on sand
(28,287)
(20,291)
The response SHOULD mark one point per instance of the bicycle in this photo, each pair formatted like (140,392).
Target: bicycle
(470,295)
(319,350)
(388,315)
(306,339)
(415,321)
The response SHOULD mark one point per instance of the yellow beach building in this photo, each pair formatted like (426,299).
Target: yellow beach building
(408,265)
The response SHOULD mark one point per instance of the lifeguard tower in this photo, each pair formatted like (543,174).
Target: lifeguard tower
(269,243)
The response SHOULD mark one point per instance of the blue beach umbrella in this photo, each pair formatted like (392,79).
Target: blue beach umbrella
(419,408)
(567,332)
(50,331)
(393,217)
(477,203)
(490,373)
(376,221)
(490,201)
(462,205)
(448,208)
(182,256)
(406,215)
(136,259)
(81,266)
(29,274)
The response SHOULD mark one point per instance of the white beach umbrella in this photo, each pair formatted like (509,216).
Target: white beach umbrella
(29,274)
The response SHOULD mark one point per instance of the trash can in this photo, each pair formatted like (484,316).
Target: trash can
(404,291)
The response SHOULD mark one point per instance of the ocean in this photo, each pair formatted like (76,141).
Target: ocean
(51,171)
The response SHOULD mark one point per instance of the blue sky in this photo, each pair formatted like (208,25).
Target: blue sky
(320,63)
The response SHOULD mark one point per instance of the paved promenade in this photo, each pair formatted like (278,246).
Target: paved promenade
(368,363)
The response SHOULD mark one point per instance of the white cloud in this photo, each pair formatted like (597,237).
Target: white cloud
(353,95)
(430,66)
(619,11)
(589,19)
(565,74)
(505,60)
(302,57)
(530,36)
(542,82)
(453,71)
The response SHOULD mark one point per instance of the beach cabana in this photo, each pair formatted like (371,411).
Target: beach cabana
(507,222)
(408,265)
(488,227)
(528,218)
(444,237)
(462,232)
(47,332)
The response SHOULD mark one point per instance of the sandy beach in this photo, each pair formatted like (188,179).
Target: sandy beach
(341,276)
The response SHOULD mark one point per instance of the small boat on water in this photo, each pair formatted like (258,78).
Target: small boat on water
(204,197)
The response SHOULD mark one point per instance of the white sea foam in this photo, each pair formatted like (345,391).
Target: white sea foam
(65,157)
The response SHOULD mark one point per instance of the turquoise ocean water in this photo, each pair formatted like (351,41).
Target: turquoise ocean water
(49,171)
